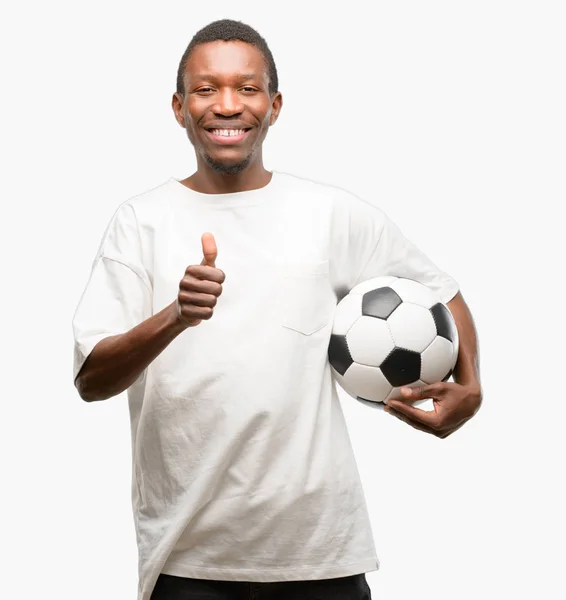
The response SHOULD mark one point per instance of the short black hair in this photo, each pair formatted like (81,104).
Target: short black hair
(229,30)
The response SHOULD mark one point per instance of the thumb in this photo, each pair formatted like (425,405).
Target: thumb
(209,250)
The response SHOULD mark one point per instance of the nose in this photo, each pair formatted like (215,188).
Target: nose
(228,103)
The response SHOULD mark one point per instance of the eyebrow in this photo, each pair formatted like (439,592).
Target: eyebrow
(243,76)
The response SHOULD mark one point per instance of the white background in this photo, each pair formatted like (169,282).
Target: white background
(449,115)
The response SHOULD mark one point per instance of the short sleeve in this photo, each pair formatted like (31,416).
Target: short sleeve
(118,294)
(368,244)
(395,255)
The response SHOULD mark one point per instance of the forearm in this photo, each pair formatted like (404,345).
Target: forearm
(117,361)
(467,370)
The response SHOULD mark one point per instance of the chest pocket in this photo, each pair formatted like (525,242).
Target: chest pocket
(305,300)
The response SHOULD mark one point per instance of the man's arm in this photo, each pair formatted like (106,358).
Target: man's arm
(467,370)
(454,403)
(118,360)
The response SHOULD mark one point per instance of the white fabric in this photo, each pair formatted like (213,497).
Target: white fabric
(242,463)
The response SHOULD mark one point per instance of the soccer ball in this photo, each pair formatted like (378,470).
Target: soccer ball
(391,332)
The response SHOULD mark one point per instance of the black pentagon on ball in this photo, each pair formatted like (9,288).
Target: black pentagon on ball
(380,303)
(402,367)
(444,322)
(339,354)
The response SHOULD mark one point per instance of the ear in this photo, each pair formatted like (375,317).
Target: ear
(177,106)
(276,106)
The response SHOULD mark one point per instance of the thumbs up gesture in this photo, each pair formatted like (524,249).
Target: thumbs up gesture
(201,286)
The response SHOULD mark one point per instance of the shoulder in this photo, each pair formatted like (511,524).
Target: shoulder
(152,197)
(349,210)
(314,186)
(342,198)
(144,207)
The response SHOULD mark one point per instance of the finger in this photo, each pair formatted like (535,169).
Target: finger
(429,418)
(209,250)
(197,299)
(415,424)
(205,273)
(196,312)
(422,392)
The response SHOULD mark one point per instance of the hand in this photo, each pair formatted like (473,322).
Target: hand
(454,404)
(201,286)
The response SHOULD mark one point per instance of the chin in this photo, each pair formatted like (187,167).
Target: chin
(228,167)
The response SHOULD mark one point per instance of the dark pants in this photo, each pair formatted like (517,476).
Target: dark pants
(171,587)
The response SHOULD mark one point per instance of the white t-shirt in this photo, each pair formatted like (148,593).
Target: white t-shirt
(242,465)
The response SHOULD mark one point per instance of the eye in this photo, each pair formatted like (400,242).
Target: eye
(204,90)
(249,89)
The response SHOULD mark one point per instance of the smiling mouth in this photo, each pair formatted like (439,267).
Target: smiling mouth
(227,136)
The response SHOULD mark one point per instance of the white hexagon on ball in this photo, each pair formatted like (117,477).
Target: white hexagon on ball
(412,327)
(437,360)
(367,382)
(369,341)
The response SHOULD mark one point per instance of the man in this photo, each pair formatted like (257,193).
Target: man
(211,302)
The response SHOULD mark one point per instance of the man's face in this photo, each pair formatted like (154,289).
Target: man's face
(227,109)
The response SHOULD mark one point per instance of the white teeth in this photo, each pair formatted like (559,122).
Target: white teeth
(228,132)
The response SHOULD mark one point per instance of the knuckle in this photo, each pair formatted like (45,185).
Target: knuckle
(437,423)
(186,283)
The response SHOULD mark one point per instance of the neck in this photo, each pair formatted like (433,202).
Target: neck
(208,181)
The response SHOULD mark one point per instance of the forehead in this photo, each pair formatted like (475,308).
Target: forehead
(223,60)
